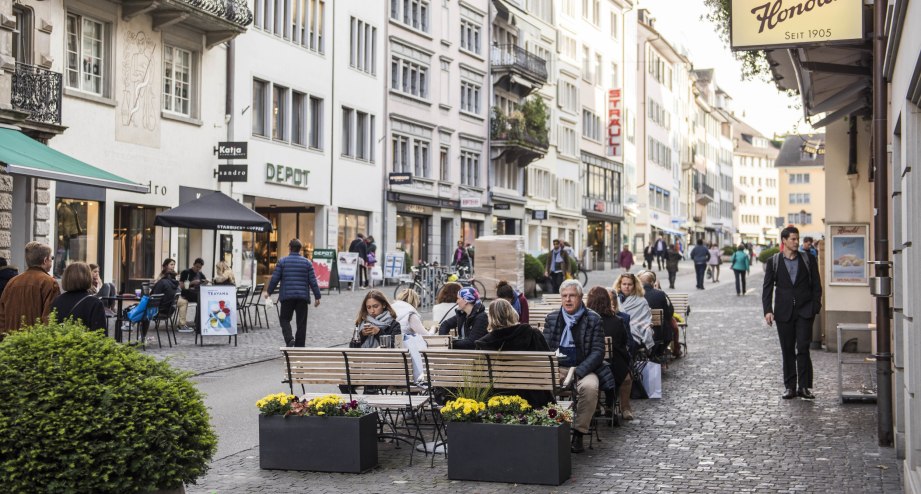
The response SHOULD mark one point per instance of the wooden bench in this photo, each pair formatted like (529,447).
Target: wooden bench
(437,341)
(552,299)
(380,368)
(537,313)
(537,371)
(682,308)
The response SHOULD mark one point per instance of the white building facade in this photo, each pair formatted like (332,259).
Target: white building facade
(756,188)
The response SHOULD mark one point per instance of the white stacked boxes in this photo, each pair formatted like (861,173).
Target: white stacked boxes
(499,257)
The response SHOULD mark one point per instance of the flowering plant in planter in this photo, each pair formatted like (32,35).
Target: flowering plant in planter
(325,406)
(464,410)
(504,410)
(276,404)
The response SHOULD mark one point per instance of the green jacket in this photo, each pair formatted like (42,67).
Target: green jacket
(740,260)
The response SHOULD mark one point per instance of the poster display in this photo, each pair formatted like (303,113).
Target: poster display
(323,262)
(849,255)
(348,266)
(218,310)
(393,264)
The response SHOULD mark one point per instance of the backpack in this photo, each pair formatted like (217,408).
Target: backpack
(776,259)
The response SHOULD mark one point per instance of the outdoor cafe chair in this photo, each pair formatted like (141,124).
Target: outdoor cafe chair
(253,303)
(242,297)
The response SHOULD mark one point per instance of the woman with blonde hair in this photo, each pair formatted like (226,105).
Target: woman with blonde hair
(630,294)
(411,326)
(506,334)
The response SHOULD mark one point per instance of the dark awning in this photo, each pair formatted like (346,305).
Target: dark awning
(215,211)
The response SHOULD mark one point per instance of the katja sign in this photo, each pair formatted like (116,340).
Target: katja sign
(770,24)
(614,137)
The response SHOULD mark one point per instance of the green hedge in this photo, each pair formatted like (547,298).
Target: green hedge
(767,253)
(81,413)
(533,269)
(542,259)
(729,250)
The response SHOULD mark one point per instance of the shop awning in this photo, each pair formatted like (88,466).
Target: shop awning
(216,211)
(26,156)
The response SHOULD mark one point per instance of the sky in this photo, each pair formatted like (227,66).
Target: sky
(683,22)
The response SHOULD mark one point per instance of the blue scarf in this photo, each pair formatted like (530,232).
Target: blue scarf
(567,344)
(516,303)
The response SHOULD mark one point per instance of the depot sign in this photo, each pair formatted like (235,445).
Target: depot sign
(286,175)
(770,24)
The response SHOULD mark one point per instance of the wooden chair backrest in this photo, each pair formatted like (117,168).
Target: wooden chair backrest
(354,366)
(538,313)
(551,298)
(437,341)
(497,370)
(657,317)
(681,303)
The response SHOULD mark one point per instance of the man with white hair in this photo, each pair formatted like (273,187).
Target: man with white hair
(575,333)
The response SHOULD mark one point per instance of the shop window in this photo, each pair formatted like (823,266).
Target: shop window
(77,233)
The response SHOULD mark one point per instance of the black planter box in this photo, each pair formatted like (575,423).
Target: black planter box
(321,444)
(522,454)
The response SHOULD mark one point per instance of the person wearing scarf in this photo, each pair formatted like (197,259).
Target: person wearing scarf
(632,301)
(519,302)
(469,319)
(576,334)
(376,318)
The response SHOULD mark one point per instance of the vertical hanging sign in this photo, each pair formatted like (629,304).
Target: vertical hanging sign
(614,135)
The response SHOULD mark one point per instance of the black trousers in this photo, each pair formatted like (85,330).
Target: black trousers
(795,337)
(700,269)
(660,260)
(671,278)
(556,279)
(740,275)
(291,308)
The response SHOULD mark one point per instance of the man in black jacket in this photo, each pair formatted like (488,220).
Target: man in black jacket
(576,333)
(657,299)
(795,275)
(361,247)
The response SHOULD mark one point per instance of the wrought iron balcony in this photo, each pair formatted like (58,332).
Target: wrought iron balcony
(38,92)
(705,193)
(514,140)
(235,11)
(220,20)
(513,58)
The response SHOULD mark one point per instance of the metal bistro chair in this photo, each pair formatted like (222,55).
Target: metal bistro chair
(150,314)
(261,302)
(168,319)
(252,301)
(242,297)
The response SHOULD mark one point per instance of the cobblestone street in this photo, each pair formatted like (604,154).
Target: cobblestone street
(720,427)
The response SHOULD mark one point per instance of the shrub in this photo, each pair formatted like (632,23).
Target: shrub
(81,413)
(729,250)
(533,269)
(767,253)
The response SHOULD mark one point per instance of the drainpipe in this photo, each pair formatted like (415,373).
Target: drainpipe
(881,287)
(385,136)
(332,130)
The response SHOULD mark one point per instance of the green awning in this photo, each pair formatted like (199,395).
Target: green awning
(26,156)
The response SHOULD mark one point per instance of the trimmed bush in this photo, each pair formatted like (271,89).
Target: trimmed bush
(766,254)
(729,250)
(81,413)
(542,259)
(533,269)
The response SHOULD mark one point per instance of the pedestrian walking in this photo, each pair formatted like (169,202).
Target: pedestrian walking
(190,281)
(661,248)
(77,301)
(461,258)
(792,296)
(28,296)
(700,255)
(671,265)
(557,265)
(649,255)
(716,258)
(295,273)
(625,258)
(360,247)
(809,247)
(739,262)
(372,257)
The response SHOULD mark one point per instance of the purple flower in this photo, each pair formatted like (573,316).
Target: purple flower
(551,413)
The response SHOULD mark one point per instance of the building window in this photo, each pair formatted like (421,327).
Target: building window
(412,13)
(470,168)
(177,80)
(363,46)
(567,144)
(568,46)
(22,35)
(799,178)
(591,125)
(260,93)
(302,22)
(569,7)
(506,175)
(279,112)
(586,63)
(615,24)
(598,63)
(357,134)
(316,123)
(470,36)
(569,97)
(540,183)
(799,198)
(801,218)
(470,97)
(591,11)
(409,77)
(411,155)
(86,54)
(298,118)
(444,163)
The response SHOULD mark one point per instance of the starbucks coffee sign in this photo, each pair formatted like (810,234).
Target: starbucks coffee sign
(770,24)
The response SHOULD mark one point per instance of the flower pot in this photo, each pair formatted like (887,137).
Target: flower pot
(530,288)
(523,454)
(322,444)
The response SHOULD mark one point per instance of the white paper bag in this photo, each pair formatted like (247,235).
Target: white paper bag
(652,380)
(415,343)
(377,274)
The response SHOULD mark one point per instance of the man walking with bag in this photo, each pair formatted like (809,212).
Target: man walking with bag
(295,273)
(795,275)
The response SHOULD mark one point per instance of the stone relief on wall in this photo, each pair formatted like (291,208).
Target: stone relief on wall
(138,93)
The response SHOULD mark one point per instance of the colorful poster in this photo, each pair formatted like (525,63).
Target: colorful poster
(348,266)
(393,264)
(218,310)
(849,255)
(323,262)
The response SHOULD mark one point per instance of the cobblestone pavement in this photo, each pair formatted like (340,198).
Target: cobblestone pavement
(721,427)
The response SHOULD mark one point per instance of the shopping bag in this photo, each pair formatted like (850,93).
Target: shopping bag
(652,380)
(414,343)
(377,274)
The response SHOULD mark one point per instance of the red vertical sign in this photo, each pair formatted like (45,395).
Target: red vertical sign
(614,137)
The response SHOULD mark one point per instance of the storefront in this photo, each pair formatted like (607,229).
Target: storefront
(603,243)
(79,217)
(351,223)
(412,232)
(288,221)
(139,247)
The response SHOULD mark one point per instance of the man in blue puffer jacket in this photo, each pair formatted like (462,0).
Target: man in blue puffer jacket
(295,273)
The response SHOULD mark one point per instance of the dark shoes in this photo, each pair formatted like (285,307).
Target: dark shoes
(789,394)
(806,394)
(577,446)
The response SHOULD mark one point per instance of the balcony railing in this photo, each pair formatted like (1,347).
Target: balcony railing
(235,11)
(511,129)
(38,92)
(516,57)
(705,193)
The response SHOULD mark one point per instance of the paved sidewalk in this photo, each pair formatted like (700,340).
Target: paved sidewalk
(721,426)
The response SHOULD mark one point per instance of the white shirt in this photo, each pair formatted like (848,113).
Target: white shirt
(409,318)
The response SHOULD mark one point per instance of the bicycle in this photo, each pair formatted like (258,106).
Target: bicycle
(581,274)
(414,282)
(466,279)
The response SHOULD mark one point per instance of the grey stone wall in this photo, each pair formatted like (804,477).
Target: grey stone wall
(42,225)
(6,213)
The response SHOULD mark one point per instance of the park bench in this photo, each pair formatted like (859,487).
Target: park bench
(384,369)
(537,314)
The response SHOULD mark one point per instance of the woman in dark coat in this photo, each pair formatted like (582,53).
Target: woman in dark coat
(600,301)
(507,335)
(7,273)
(470,320)
(519,302)
(77,301)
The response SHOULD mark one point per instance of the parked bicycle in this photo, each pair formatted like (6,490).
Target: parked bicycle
(466,279)
(581,274)
(414,281)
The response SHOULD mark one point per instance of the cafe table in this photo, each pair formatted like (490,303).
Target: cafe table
(119,313)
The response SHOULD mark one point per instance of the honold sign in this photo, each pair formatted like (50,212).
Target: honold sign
(768,24)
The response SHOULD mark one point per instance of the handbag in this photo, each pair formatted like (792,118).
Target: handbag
(652,380)
(136,314)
